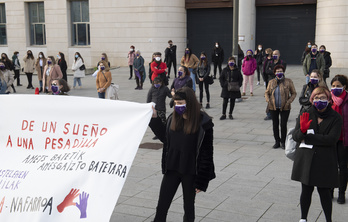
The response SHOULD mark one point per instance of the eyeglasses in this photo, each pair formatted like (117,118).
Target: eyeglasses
(54,84)
(320,98)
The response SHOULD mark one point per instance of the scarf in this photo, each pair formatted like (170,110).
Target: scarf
(322,115)
(338,100)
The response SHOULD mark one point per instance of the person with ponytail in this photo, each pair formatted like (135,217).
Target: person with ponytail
(315,165)
(187,157)
(340,105)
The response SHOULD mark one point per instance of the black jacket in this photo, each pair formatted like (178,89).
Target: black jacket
(203,74)
(217,55)
(158,96)
(204,154)
(227,75)
(170,54)
(260,56)
(305,96)
(318,166)
(270,66)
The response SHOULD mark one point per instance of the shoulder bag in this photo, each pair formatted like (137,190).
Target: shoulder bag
(290,145)
(112,91)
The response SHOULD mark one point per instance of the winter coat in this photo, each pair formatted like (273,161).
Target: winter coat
(270,67)
(344,107)
(287,93)
(8,79)
(131,56)
(228,75)
(307,63)
(187,79)
(318,166)
(29,65)
(170,54)
(217,55)
(328,64)
(139,64)
(8,64)
(158,96)
(204,152)
(55,73)
(63,66)
(305,96)
(191,63)
(157,69)
(249,66)
(76,68)
(260,56)
(38,68)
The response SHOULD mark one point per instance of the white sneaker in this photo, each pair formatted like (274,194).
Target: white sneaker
(258,83)
(264,83)
(303,220)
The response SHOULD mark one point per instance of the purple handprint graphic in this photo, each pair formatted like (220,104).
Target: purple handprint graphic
(83,204)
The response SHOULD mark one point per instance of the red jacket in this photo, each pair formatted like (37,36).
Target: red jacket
(156,71)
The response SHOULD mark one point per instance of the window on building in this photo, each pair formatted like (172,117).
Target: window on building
(3,37)
(80,22)
(37,23)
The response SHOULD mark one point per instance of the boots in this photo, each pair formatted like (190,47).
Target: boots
(342,188)
(40,89)
(341,198)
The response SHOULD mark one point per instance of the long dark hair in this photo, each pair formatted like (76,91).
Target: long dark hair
(79,56)
(62,56)
(31,56)
(192,123)
(189,55)
(205,61)
(308,50)
(38,57)
(341,78)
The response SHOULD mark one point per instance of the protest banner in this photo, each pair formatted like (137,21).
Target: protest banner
(65,158)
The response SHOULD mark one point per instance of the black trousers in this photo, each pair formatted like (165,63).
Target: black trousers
(325,200)
(169,66)
(206,86)
(130,71)
(30,79)
(225,103)
(342,156)
(169,186)
(284,116)
(16,72)
(260,72)
(216,65)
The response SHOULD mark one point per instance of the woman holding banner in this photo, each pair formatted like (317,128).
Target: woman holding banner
(187,152)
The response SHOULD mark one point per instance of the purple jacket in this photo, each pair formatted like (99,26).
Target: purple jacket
(249,66)
(345,120)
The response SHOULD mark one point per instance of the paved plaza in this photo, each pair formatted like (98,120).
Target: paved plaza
(252,179)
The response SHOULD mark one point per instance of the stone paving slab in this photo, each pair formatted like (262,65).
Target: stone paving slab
(253,180)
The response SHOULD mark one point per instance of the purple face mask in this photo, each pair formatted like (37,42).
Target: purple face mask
(337,91)
(180,73)
(157,85)
(280,75)
(231,64)
(102,67)
(314,50)
(187,52)
(275,57)
(314,81)
(180,109)
(320,104)
(55,89)
(49,62)
(102,58)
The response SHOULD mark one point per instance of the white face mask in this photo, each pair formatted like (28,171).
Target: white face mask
(260,48)
(131,50)
(40,56)
(158,59)
(217,46)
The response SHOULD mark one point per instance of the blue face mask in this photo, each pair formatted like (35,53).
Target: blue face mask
(76,56)
(102,58)
(102,67)
(180,73)
(320,104)
(309,46)
(337,91)
(314,81)
(157,85)
(203,57)
(314,50)
(49,62)
(180,109)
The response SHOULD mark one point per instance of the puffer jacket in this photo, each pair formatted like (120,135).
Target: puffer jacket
(249,66)
(307,63)
(287,93)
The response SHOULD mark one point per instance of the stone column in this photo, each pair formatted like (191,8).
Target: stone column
(247,24)
(331,30)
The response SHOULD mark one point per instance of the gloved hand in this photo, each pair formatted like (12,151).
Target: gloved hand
(305,122)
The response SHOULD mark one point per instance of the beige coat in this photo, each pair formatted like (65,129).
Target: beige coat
(29,65)
(8,79)
(55,73)
(38,68)
(287,94)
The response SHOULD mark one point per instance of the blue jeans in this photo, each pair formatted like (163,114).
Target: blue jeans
(101,95)
(78,81)
(193,77)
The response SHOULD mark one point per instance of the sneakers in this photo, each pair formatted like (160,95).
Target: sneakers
(251,94)
(267,118)
(230,116)
(207,106)
(258,83)
(264,83)
(223,117)
(303,220)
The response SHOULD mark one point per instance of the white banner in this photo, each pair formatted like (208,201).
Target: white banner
(66,158)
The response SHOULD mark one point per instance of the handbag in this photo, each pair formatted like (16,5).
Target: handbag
(83,67)
(210,80)
(290,145)
(112,91)
(233,86)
